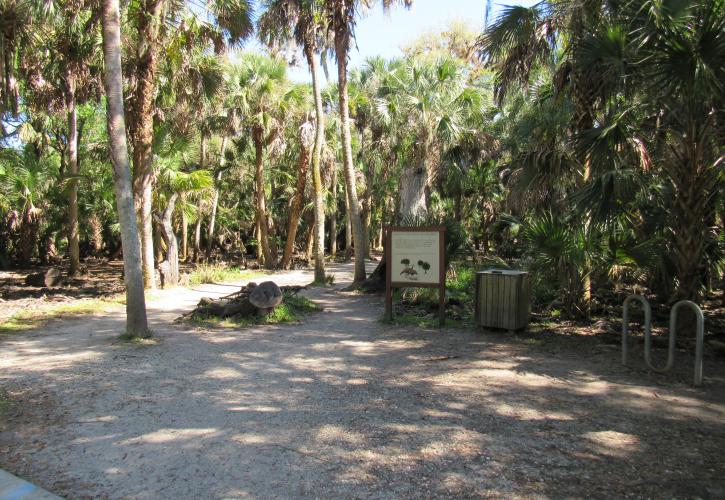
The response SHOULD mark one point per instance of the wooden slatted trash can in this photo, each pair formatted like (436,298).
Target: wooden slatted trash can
(503,299)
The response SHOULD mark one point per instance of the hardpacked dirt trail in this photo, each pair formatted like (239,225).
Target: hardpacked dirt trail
(342,405)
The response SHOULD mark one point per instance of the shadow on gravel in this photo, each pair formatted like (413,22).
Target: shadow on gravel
(345,406)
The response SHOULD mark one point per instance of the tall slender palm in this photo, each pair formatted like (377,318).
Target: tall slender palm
(136,323)
(21,23)
(154,20)
(303,22)
(341,16)
(67,53)
(266,95)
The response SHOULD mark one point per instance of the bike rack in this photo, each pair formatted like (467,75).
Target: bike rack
(625,322)
(699,340)
(700,335)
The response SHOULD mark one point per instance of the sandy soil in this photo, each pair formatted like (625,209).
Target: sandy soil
(344,406)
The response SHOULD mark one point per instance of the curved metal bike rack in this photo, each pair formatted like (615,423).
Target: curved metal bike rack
(699,339)
(625,322)
(672,334)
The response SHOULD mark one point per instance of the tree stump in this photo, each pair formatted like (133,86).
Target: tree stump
(265,296)
(250,300)
(50,278)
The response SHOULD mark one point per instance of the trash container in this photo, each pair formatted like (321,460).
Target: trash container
(502,299)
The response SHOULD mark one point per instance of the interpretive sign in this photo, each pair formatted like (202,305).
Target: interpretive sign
(415,258)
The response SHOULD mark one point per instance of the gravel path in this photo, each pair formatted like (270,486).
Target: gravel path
(344,406)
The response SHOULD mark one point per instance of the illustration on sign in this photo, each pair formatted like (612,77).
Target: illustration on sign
(415,257)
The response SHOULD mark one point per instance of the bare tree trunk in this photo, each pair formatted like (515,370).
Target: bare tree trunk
(296,205)
(215,201)
(184,233)
(197,238)
(348,228)
(366,226)
(269,260)
(141,128)
(316,176)
(159,247)
(413,182)
(73,246)
(379,244)
(172,247)
(202,151)
(258,238)
(136,324)
(144,206)
(367,203)
(333,215)
(310,242)
(341,44)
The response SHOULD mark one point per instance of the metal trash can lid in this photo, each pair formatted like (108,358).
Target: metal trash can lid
(508,272)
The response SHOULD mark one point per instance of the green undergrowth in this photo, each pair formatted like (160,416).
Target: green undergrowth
(6,403)
(36,318)
(293,309)
(419,306)
(218,273)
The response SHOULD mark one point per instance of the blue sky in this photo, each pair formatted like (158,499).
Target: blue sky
(380,33)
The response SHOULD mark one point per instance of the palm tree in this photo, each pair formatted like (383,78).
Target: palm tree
(177,185)
(266,96)
(21,23)
(306,140)
(136,324)
(303,22)
(341,21)
(661,93)
(25,182)
(154,21)
(67,53)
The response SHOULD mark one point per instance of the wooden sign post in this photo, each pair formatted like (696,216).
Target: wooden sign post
(415,258)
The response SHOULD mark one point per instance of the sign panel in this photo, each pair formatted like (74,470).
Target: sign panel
(416,257)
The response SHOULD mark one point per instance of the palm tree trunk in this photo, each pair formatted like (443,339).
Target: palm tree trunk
(348,228)
(215,201)
(136,324)
(316,176)
(202,151)
(379,242)
(96,236)
(184,233)
(296,206)
(333,214)
(73,246)
(691,179)
(349,169)
(197,239)
(413,182)
(269,261)
(142,129)
(367,203)
(310,247)
(258,238)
